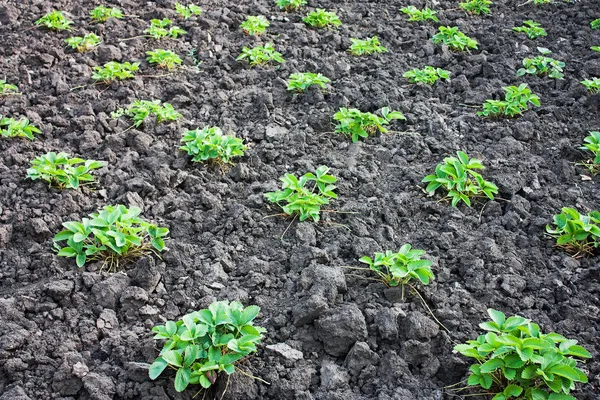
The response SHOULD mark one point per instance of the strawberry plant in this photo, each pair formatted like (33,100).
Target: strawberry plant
(542,65)
(10,127)
(290,5)
(54,21)
(592,144)
(114,71)
(357,124)
(532,29)
(459,177)
(102,14)
(516,101)
(261,55)
(595,24)
(428,75)
(161,28)
(6,89)
(368,46)
(209,143)
(255,25)
(113,235)
(187,12)
(139,110)
(454,39)
(476,7)
(83,44)
(206,342)
(399,269)
(163,58)
(320,18)
(576,233)
(298,197)
(514,359)
(415,15)
(300,81)
(62,171)
(592,85)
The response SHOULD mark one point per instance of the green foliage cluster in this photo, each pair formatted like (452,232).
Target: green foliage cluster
(476,7)
(514,359)
(542,65)
(62,171)
(459,177)
(209,143)
(114,71)
(85,43)
(166,59)
(10,127)
(206,342)
(595,24)
(320,18)
(541,1)
(361,47)
(161,28)
(416,15)
(7,89)
(102,14)
(356,124)
(592,144)
(114,235)
(592,85)
(532,29)
(428,75)
(399,269)
(454,39)
(255,25)
(517,100)
(301,81)
(187,12)
(576,233)
(296,198)
(290,5)
(55,21)
(139,110)
(261,55)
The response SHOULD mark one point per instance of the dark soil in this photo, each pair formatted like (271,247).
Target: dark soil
(70,333)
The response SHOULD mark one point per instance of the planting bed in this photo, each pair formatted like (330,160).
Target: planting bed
(331,332)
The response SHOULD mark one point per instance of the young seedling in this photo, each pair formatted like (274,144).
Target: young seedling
(187,12)
(595,24)
(454,39)
(357,124)
(300,81)
(368,46)
(539,1)
(592,144)
(10,128)
(428,75)
(532,29)
(255,25)
(6,89)
(261,55)
(416,15)
(161,28)
(514,359)
(320,18)
(209,144)
(114,71)
(516,101)
(459,177)
(592,85)
(290,5)
(163,58)
(576,233)
(102,14)
(476,7)
(206,342)
(298,199)
(595,48)
(115,235)
(139,110)
(82,44)
(54,21)
(542,65)
(62,171)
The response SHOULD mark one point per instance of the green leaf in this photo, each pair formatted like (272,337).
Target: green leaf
(491,365)
(173,358)
(182,379)
(513,391)
(157,367)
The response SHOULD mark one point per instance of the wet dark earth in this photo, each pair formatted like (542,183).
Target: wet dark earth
(332,333)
